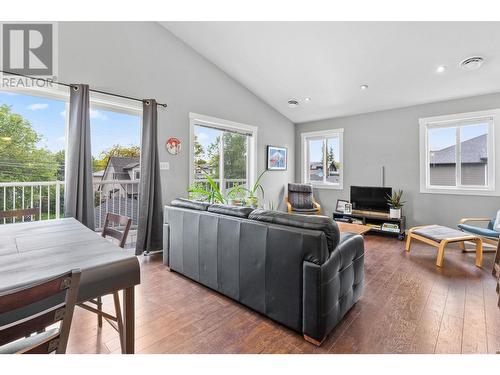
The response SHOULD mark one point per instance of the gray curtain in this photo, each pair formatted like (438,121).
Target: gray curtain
(78,191)
(149,231)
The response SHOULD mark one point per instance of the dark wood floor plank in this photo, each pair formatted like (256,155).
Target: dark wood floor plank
(409,306)
(475,340)
(450,335)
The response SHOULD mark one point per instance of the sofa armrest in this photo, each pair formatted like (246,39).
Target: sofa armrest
(332,288)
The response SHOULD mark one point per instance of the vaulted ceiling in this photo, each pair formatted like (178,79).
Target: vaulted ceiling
(329,61)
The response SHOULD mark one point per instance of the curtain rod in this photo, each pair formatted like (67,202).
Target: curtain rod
(69,85)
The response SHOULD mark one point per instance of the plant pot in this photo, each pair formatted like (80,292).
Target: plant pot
(395,213)
(253,202)
(236,202)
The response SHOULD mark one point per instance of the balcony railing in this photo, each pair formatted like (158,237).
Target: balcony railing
(116,196)
(226,183)
(47,196)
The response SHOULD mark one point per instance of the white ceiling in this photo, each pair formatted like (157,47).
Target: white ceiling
(328,61)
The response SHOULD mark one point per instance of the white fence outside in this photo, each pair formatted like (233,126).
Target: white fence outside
(117,196)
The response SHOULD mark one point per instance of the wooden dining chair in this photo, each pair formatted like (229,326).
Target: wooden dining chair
(46,303)
(112,224)
(23,214)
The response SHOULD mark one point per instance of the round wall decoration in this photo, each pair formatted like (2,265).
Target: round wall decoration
(173,146)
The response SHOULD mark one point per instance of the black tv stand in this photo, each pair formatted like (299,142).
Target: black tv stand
(376,221)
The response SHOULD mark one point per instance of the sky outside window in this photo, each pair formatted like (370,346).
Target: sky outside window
(47,116)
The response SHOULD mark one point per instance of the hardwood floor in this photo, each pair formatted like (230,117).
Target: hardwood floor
(409,306)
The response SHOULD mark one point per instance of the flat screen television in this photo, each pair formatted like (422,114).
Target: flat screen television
(370,198)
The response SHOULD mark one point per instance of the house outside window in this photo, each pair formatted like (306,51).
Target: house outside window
(322,158)
(457,154)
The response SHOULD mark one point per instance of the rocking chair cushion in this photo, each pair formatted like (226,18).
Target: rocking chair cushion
(496,223)
(479,231)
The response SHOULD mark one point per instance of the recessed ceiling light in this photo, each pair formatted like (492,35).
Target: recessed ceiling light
(472,63)
(307,98)
(363,87)
(292,103)
(440,69)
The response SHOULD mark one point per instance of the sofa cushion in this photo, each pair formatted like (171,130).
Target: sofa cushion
(226,209)
(321,223)
(188,203)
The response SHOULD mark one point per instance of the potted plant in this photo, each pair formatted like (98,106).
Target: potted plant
(253,199)
(199,191)
(236,195)
(271,206)
(395,204)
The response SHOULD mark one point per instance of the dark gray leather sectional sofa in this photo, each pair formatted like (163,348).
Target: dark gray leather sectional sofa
(298,270)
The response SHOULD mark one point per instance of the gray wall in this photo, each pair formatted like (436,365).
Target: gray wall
(391,139)
(144,60)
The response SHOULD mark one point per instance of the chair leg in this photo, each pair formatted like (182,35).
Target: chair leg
(497,261)
(440,257)
(461,246)
(408,242)
(99,316)
(479,252)
(118,312)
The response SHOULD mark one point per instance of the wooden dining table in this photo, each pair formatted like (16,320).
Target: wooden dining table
(34,251)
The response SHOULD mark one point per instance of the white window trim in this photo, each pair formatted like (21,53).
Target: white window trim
(214,122)
(305,137)
(493,163)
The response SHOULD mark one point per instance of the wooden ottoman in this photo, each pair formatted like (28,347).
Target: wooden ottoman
(440,236)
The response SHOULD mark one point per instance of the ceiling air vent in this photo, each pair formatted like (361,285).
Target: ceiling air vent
(472,63)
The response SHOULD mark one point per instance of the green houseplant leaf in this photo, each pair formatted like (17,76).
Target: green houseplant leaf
(212,195)
(394,201)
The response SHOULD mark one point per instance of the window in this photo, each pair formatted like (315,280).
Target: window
(33,126)
(32,151)
(115,132)
(322,158)
(223,150)
(137,175)
(457,154)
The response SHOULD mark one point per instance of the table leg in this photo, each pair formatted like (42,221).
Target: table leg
(129,319)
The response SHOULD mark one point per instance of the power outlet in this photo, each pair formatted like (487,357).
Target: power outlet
(164,165)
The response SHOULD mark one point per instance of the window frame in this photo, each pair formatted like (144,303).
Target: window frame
(196,119)
(458,121)
(322,135)
(135,171)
